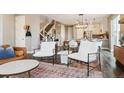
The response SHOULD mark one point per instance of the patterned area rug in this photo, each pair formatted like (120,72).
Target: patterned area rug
(47,70)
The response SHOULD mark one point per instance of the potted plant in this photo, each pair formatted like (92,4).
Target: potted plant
(27,29)
(122,41)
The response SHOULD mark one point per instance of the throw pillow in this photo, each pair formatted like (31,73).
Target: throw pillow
(5,46)
(9,52)
(2,53)
(19,53)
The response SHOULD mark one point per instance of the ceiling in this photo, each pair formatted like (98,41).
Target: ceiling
(71,19)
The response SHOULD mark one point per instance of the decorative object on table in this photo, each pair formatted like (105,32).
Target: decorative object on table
(27,29)
(122,41)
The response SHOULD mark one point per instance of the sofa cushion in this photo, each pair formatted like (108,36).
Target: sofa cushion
(2,54)
(6,52)
(9,52)
(19,53)
(5,46)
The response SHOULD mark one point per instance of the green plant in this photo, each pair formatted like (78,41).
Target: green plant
(65,47)
(122,40)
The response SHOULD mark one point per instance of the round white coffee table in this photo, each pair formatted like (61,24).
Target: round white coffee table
(18,67)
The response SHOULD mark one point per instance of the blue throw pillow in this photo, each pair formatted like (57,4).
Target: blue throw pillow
(2,53)
(9,52)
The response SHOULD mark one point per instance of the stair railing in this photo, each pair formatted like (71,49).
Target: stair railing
(44,33)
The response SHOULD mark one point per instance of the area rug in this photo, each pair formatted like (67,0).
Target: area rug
(48,70)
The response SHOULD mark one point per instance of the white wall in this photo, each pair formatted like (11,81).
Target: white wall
(62,34)
(74,32)
(7,29)
(79,34)
(70,32)
(105,24)
(122,25)
(110,29)
(1,31)
(19,31)
(95,28)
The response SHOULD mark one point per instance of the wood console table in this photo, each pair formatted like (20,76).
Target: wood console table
(119,54)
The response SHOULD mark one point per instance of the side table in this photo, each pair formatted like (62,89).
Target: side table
(64,56)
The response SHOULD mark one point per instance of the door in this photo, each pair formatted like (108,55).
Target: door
(20,32)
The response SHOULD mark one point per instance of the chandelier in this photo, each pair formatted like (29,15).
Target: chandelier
(81,24)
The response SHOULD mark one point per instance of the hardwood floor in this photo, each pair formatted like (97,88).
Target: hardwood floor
(109,67)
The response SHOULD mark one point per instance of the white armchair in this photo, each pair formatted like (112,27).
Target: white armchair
(47,49)
(88,52)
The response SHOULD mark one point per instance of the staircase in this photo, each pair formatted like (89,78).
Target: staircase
(45,31)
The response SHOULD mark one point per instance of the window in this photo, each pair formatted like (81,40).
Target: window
(115,31)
